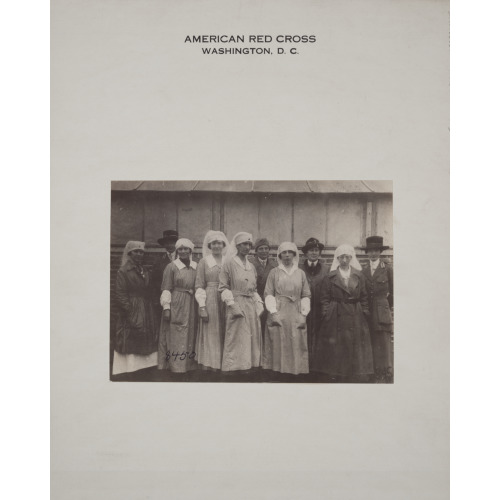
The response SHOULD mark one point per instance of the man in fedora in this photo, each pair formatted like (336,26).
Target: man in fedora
(170,236)
(379,285)
(315,271)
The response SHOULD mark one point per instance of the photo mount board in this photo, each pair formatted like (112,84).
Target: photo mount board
(131,99)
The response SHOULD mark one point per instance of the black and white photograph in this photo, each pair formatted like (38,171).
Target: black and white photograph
(252,281)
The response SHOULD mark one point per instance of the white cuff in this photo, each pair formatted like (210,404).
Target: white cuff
(305,305)
(259,307)
(256,298)
(201,297)
(271,304)
(227,297)
(165,299)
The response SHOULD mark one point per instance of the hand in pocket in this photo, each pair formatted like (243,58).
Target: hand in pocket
(235,310)
(260,308)
(204,314)
(135,321)
(275,320)
(384,314)
(301,322)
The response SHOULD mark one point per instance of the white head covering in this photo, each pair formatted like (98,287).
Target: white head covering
(184,242)
(238,238)
(288,245)
(212,236)
(345,250)
(132,245)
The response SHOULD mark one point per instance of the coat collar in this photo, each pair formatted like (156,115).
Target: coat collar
(130,266)
(257,263)
(313,270)
(140,270)
(180,265)
(245,266)
(263,264)
(288,271)
(354,272)
(380,268)
(169,256)
(338,281)
(368,270)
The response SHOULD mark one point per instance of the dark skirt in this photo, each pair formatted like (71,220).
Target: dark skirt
(343,345)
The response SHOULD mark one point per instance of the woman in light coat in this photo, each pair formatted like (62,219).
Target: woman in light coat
(211,324)
(179,320)
(238,287)
(287,298)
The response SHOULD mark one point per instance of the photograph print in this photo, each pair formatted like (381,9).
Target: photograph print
(252,281)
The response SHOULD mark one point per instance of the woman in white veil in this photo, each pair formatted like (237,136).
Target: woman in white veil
(210,338)
(345,250)
(343,349)
(238,287)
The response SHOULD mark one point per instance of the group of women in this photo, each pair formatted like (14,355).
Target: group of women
(214,323)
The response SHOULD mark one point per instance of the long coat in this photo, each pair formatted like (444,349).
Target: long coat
(137,324)
(343,345)
(210,338)
(157,277)
(243,338)
(176,349)
(380,289)
(285,347)
(380,299)
(262,275)
(262,272)
(314,277)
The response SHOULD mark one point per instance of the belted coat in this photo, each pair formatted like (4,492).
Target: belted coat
(137,323)
(343,345)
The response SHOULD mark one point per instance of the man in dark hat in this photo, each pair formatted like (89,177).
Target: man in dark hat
(315,272)
(263,264)
(168,240)
(379,285)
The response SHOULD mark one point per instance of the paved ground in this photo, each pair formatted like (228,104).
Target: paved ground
(256,375)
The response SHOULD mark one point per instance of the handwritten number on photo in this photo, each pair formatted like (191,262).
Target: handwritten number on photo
(181,355)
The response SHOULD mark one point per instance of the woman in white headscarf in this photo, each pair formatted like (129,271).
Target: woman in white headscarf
(211,324)
(136,339)
(238,285)
(179,321)
(287,298)
(343,348)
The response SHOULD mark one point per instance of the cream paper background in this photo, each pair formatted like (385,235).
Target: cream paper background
(131,100)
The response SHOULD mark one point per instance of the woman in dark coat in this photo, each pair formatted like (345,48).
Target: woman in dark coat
(343,349)
(136,339)
(379,286)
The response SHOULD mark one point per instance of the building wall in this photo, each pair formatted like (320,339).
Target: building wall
(332,218)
